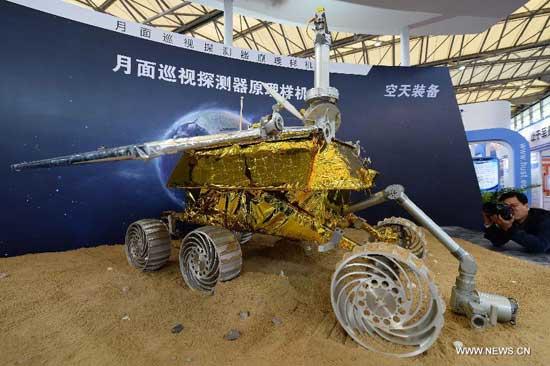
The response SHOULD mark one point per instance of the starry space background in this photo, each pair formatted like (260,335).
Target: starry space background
(59,96)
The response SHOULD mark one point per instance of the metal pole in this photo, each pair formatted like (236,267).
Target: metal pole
(396,193)
(405,47)
(415,211)
(166,12)
(374,200)
(322,51)
(241,115)
(322,76)
(228,22)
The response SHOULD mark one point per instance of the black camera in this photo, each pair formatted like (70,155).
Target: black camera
(500,209)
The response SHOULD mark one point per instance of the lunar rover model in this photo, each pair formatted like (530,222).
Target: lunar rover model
(295,182)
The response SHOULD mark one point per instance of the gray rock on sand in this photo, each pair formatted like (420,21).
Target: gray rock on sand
(177,328)
(233,334)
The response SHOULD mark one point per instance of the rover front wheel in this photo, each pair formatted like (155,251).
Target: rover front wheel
(207,255)
(385,299)
(147,244)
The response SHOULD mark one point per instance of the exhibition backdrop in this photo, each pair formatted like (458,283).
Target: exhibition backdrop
(69,87)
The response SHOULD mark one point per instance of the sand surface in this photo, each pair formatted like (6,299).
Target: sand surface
(89,307)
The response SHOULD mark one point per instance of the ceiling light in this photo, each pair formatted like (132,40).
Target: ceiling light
(378,44)
(462,68)
(522,87)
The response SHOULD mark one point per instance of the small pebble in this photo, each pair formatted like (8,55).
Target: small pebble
(282,274)
(109,268)
(125,289)
(514,281)
(233,334)
(244,315)
(458,345)
(126,317)
(177,328)
(3,275)
(189,359)
(277,321)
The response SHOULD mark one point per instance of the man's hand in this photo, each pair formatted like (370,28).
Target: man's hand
(504,224)
(489,220)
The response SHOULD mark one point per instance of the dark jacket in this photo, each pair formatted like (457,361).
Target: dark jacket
(533,233)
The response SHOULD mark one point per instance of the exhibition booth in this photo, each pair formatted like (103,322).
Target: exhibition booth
(538,136)
(128,85)
(501,159)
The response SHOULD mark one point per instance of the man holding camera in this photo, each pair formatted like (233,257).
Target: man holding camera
(512,219)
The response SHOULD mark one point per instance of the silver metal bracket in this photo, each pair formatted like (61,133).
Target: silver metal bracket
(329,92)
(273,125)
(334,241)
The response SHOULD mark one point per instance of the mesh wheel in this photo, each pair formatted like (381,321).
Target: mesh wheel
(207,255)
(147,244)
(411,237)
(385,299)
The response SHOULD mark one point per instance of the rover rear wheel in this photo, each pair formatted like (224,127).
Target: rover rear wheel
(147,244)
(207,255)
(385,299)
(410,236)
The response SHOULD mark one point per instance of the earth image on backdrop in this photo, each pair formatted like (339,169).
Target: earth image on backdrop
(196,123)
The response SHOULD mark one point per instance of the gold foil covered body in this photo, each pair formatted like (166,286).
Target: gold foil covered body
(257,211)
(302,164)
(295,187)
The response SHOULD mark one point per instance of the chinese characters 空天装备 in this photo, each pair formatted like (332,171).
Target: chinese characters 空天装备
(412,91)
